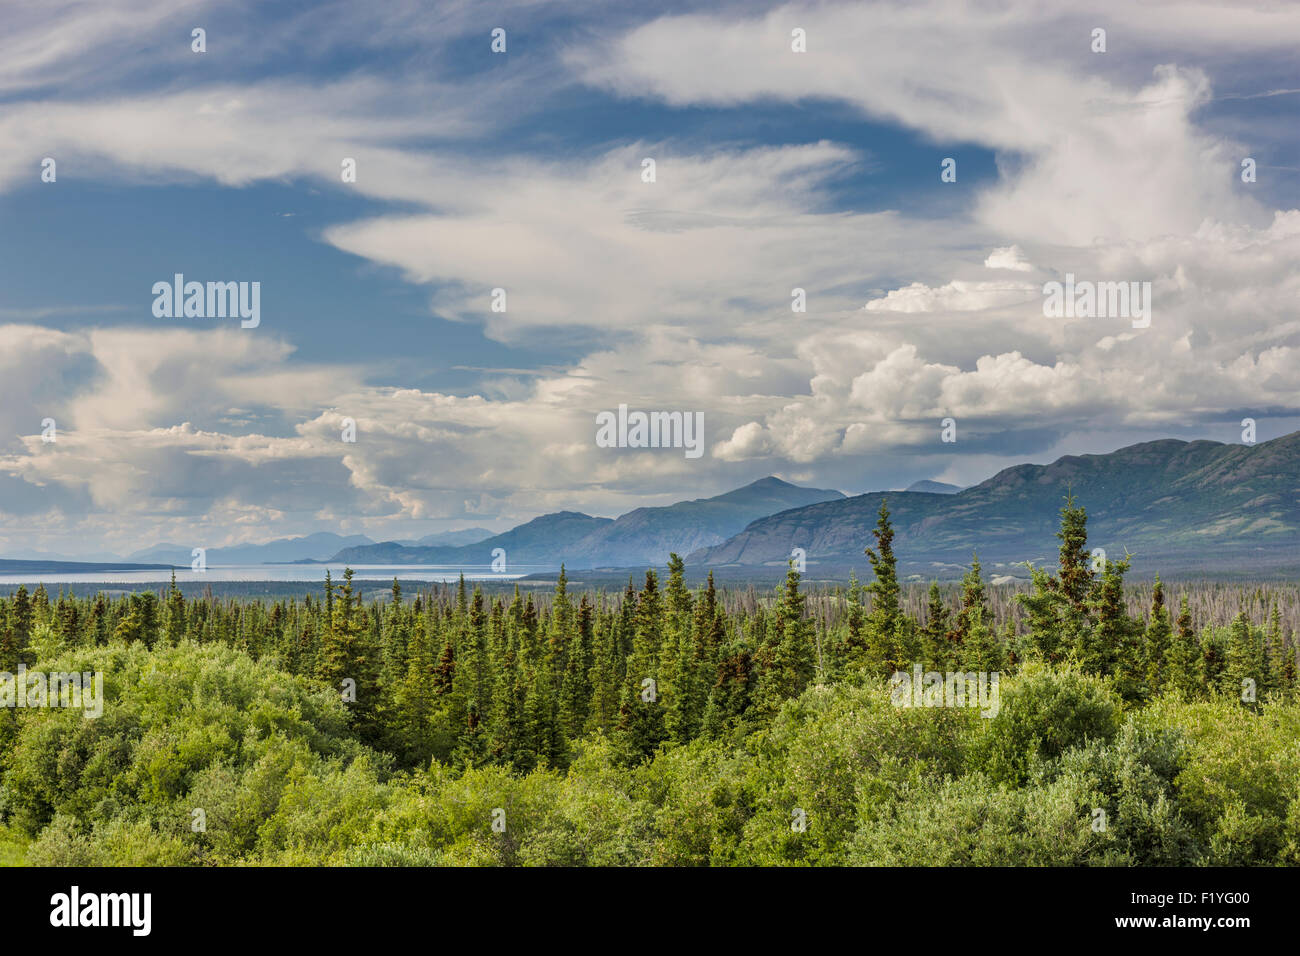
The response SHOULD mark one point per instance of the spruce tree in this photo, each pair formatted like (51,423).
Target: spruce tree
(66,628)
(606,679)
(710,633)
(974,612)
(1076,574)
(509,693)
(395,638)
(20,619)
(647,635)
(1157,639)
(346,655)
(1281,658)
(884,622)
(1111,645)
(792,660)
(9,652)
(981,649)
(1214,653)
(1059,606)
(40,608)
(854,654)
(467,706)
(560,633)
(1183,673)
(175,614)
(575,690)
(1242,672)
(415,698)
(641,718)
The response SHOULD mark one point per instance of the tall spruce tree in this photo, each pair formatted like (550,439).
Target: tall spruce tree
(974,613)
(348,656)
(1281,656)
(1157,640)
(853,657)
(1243,673)
(1058,607)
(576,690)
(1183,673)
(790,665)
(883,632)
(606,678)
(641,719)
(1111,645)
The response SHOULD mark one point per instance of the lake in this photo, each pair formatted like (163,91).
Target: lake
(274,572)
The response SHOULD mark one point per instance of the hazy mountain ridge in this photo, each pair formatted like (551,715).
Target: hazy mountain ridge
(37,566)
(451,539)
(320,545)
(934,487)
(1177,505)
(643,536)
(650,535)
(534,542)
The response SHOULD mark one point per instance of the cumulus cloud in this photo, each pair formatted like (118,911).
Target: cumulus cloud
(680,290)
(955,296)
(1011,258)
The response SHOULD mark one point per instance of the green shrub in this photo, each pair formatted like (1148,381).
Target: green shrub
(1042,713)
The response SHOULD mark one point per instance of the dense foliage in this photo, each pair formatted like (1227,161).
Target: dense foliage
(660,726)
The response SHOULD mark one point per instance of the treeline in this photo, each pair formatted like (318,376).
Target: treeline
(470,680)
(1210,602)
(663,725)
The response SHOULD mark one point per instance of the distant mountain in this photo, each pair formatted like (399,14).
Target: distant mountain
(169,553)
(645,536)
(934,487)
(649,535)
(1179,506)
(25,566)
(536,542)
(449,539)
(284,550)
(90,557)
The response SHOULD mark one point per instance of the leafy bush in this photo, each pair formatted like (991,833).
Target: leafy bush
(1043,712)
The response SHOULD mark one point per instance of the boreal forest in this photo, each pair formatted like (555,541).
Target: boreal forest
(1136,723)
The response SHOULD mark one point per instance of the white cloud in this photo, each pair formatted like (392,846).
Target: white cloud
(681,287)
(1009,257)
(955,296)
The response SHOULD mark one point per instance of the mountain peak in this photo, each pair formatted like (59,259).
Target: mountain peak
(933,487)
(1182,506)
(552,516)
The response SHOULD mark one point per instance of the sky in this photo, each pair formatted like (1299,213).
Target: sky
(523,170)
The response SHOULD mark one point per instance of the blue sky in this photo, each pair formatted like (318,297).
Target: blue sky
(522,170)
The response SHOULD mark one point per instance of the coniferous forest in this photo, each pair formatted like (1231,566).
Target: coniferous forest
(663,725)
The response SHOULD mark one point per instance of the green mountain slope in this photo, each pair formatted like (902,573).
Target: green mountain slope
(1178,506)
(645,536)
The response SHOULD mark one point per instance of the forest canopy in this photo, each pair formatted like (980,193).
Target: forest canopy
(661,725)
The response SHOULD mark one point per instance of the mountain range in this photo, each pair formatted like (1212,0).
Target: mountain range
(1189,507)
(321,544)
(934,487)
(640,537)
(1177,506)
(312,547)
(46,566)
